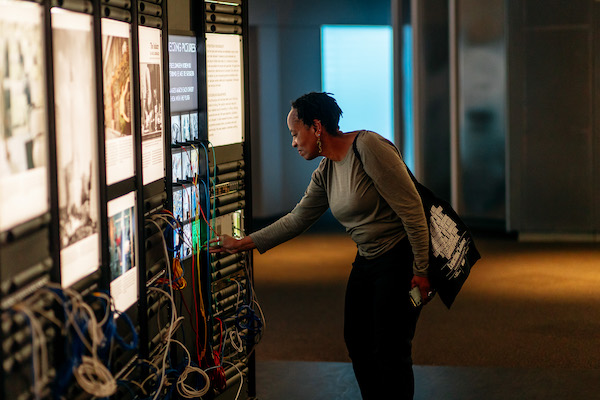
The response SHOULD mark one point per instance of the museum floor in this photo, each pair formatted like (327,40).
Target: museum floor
(525,326)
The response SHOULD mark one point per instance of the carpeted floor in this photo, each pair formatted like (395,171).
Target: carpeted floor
(301,380)
(524,306)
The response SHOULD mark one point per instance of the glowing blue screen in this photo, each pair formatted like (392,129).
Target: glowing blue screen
(357,67)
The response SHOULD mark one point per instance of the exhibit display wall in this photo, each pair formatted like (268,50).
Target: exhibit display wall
(123,151)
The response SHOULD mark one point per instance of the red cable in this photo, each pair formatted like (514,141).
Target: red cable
(196,309)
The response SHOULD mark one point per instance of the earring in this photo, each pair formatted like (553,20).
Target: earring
(319,145)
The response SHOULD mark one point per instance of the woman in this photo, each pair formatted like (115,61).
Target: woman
(375,199)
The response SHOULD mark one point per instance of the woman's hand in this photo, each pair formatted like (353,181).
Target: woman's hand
(424,287)
(228,244)
(222,243)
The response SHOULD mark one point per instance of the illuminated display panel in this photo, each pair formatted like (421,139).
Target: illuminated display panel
(121,238)
(118,111)
(183,78)
(76,136)
(153,159)
(186,132)
(176,165)
(23,127)
(224,80)
(357,67)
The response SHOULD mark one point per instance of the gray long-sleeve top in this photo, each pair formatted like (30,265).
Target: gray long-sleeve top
(375,200)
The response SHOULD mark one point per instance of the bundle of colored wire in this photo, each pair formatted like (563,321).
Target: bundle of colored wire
(234,335)
(179,277)
(89,371)
(254,300)
(174,319)
(209,229)
(237,396)
(179,281)
(95,378)
(184,389)
(218,354)
(200,348)
(174,322)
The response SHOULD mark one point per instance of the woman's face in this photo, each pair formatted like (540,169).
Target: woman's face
(304,137)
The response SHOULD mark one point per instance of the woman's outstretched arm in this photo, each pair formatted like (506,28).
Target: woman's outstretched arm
(228,244)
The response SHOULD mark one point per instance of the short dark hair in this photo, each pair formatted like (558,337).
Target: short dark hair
(321,106)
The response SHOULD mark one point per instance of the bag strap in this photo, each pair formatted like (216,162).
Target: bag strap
(417,184)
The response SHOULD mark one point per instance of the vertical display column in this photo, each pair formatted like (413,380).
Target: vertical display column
(23,130)
(118,112)
(76,135)
(151,89)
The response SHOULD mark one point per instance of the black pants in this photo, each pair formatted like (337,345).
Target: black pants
(379,323)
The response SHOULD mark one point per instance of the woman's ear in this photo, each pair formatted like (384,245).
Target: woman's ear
(318,127)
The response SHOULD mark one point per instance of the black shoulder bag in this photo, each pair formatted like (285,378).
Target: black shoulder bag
(452,251)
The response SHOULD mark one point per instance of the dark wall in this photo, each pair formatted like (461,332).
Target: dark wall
(434,96)
(284,64)
(554,130)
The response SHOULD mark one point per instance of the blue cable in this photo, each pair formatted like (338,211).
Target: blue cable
(249,321)
(74,349)
(135,339)
(208,273)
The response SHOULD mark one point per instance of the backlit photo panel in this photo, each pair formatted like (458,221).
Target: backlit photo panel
(191,195)
(23,126)
(194,163)
(178,204)
(76,136)
(175,129)
(118,111)
(194,126)
(185,128)
(121,238)
(186,165)
(186,204)
(187,241)
(150,49)
(176,165)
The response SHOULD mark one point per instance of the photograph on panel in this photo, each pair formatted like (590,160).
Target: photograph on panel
(121,241)
(23,161)
(194,126)
(187,241)
(175,129)
(117,78)
(151,99)
(191,195)
(178,214)
(118,111)
(185,128)
(150,93)
(120,237)
(186,203)
(151,90)
(176,165)
(178,204)
(76,136)
(194,163)
(186,165)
